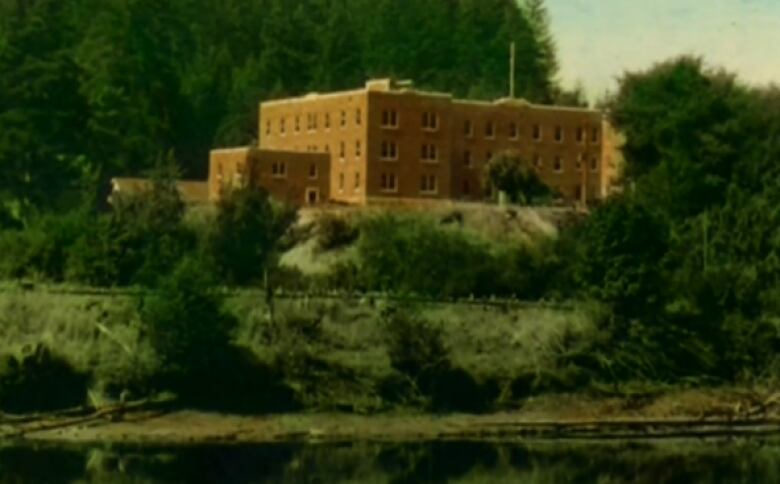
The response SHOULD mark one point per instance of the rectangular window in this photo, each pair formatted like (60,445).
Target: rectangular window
(428,184)
(281,126)
(358,117)
(467,159)
(279,169)
(513,130)
(490,129)
(357,149)
(327,149)
(389,150)
(388,182)
(468,129)
(327,120)
(558,134)
(341,182)
(430,121)
(580,134)
(343,118)
(357,180)
(594,135)
(578,164)
(466,187)
(429,153)
(594,163)
(389,118)
(297,124)
(537,132)
(342,150)
(488,156)
(313,171)
(558,165)
(268,128)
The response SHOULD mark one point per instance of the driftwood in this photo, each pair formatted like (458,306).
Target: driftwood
(17,426)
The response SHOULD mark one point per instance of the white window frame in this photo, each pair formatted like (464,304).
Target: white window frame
(516,135)
(388,187)
(537,133)
(560,164)
(390,119)
(392,154)
(429,185)
(493,129)
(562,131)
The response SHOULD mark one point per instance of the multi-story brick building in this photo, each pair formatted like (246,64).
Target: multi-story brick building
(390,141)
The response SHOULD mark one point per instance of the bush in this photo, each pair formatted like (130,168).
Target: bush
(425,373)
(414,254)
(186,326)
(39,381)
(334,231)
(247,231)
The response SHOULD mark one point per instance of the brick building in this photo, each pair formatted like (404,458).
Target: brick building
(388,140)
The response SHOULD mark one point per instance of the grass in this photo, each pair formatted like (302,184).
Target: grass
(331,351)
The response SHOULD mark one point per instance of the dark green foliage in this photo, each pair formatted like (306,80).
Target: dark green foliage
(334,231)
(618,261)
(508,173)
(246,233)
(424,371)
(407,254)
(39,381)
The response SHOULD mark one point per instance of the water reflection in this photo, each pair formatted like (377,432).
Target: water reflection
(732,461)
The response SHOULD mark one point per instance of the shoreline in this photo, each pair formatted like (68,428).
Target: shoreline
(186,427)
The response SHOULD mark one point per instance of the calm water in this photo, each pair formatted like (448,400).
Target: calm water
(732,461)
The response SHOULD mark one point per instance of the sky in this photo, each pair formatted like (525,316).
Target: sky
(598,40)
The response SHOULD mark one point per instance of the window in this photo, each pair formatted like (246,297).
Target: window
(490,129)
(594,135)
(430,121)
(429,152)
(268,128)
(537,132)
(467,159)
(558,134)
(488,156)
(279,169)
(578,192)
(388,182)
(594,163)
(343,118)
(558,165)
(313,171)
(389,118)
(578,164)
(342,150)
(358,116)
(468,129)
(297,124)
(428,184)
(538,162)
(281,126)
(466,187)
(580,134)
(389,150)
(314,122)
(341,182)
(357,149)
(327,149)
(513,130)
(357,181)
(327,120)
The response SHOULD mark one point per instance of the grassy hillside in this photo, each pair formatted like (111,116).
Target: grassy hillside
(332,353)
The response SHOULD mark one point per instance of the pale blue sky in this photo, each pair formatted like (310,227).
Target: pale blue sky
(599,39)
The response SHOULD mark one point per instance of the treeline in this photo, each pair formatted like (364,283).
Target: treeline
(93,88)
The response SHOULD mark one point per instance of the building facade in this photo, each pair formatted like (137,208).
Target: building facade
(390,141)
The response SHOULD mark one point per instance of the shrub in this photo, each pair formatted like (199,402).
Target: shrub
(414,254)
(39,381)
(508,173)
(186,326)
(334,231)
(246,232)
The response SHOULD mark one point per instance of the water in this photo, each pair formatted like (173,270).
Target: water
(727,461)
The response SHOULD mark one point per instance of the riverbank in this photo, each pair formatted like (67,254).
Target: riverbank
(688,413)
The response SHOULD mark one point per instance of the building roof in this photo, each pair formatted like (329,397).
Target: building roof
(191,191)
(392,86)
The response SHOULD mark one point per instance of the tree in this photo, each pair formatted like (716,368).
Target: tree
(509,174)
(246,233)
